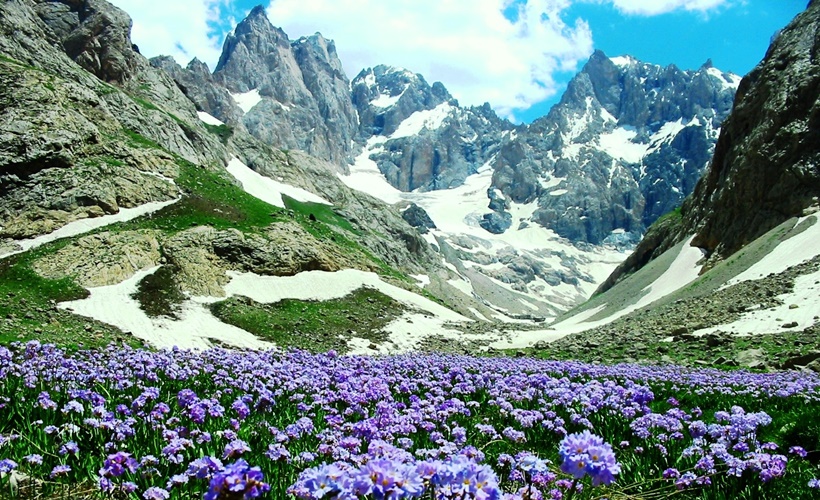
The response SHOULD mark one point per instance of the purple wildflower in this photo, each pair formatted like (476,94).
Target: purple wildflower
(237,480)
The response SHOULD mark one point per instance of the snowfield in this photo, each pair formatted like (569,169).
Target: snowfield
(267,189)
(247,100)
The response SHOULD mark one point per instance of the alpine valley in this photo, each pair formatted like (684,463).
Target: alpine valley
(274,202)
(266,280)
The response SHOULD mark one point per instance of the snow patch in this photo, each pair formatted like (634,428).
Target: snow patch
(209,119)
(83,226)
(618,144)
(267,189)
(323,285)
(793,251)
(806,298)
(728,80)
(385,100)
(430,119)
(194,329)
(622,61)
(247,100)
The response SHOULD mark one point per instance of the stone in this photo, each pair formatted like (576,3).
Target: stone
(496,222)
(751,358)
(801,360)
(418,218)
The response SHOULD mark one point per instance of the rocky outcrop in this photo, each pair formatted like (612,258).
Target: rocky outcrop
(56,164)
(103,259)
(305,93)
(417,134)
(418,218)
(95,34)
(765,166)
(198,85)
(626,143)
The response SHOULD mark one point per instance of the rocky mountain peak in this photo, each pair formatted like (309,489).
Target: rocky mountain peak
(765,165)
(387,95)
(624,145)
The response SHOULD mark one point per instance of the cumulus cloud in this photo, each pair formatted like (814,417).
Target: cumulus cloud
(179,28)
(655,7)
(473,48)
(505,52)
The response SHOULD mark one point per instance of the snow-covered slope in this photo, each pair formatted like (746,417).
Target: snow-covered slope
(562,274)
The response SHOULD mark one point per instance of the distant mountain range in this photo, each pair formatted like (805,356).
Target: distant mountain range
(625,144)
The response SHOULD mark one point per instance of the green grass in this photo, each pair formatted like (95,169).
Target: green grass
(27,306)
(158,293)
(224,132)
(210,199)
(313,325)
(320,211)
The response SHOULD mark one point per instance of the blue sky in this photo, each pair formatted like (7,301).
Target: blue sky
(516,54)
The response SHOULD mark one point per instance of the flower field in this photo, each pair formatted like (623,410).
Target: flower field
(128,423)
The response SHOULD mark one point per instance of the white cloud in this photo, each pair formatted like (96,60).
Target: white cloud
(469,45)
(178,28)
(655,7)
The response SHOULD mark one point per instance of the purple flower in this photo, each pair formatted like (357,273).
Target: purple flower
(60,470)
(235,448)
(799,451)
(671,473)
(203,468)
(7,465)
(117,464)
(155,493)
(814,483)
(237,480)
(70,448)
(34,459)
(584,454)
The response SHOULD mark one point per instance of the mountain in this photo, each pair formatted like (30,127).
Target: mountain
(418,134)
(293,94)
(765,167)
(626,143)
(124,215)
(732,279)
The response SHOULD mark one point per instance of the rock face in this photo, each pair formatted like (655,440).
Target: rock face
(417,134)
(765,168)
(626,143)
(418,218)
(305,94)
(94,34)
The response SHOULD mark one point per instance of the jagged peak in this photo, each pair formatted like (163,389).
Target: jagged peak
(257,11)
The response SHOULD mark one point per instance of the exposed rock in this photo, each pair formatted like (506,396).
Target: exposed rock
(765,166)
(116,257)
(418,218)
(496,222)
(306,102)
(664,121)
(751,358)
(801,360)
(96,34)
